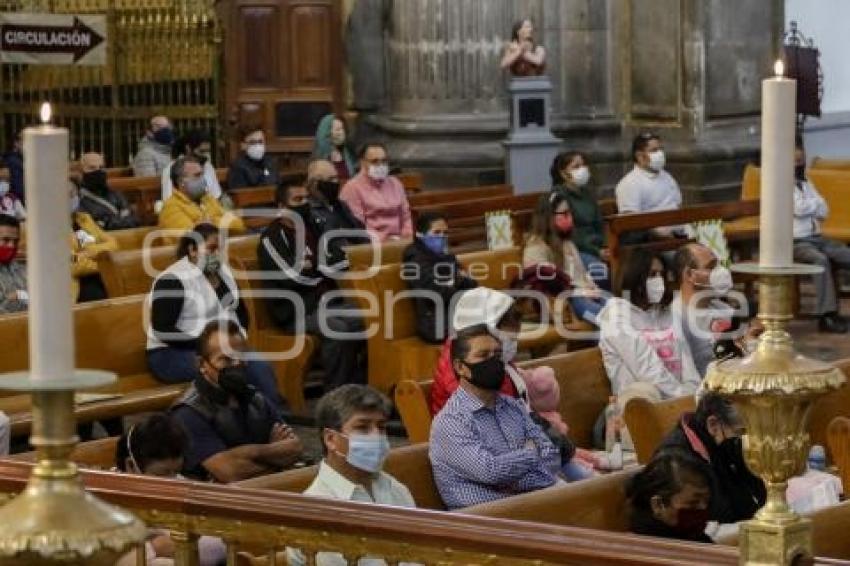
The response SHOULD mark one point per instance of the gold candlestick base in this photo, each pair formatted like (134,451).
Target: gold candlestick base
(774,389)
(55,520)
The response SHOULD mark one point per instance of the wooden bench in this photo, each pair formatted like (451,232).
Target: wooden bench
(833,164)
(595,503)
(142,193)
(585,389)
(618,225)
(110,335)
(458,194)
(838,442)
(395,351)
(408,464)
(94,454)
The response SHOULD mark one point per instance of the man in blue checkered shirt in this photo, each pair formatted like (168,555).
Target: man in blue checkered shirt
(484,445)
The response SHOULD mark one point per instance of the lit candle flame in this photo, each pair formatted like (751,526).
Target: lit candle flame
(779,68)
(45,113)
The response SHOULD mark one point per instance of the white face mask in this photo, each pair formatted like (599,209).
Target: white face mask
(581,176)
(4,188)
(256,151)
(657,160)
(655,289)
(509,349)
(379,172)
(720,280)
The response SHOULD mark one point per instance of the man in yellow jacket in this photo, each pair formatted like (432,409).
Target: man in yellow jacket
(190,204)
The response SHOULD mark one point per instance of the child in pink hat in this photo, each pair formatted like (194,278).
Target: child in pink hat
(544,397)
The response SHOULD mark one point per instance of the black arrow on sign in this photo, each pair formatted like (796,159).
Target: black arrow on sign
(77,39)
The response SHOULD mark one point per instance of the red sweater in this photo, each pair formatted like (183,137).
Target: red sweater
(445,380)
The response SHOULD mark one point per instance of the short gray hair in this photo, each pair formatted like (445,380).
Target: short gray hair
(337,406)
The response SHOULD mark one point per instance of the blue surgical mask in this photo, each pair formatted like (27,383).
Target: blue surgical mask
(437,243)
(367,452)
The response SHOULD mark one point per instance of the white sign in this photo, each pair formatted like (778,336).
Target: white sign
(53,39)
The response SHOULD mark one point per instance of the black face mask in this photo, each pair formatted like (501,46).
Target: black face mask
(95,181)
(234,380)
(731,448)
(302,210)
(488,374)
(800,172)
(329,190)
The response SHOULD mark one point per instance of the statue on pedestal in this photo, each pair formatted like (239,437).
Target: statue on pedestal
(522,56)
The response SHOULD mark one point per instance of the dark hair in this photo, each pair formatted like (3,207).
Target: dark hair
(518,26)
(666,475)
(636,269)
(158,437)
(426,219)
(560,163)
(541,224)
(713,404)
(512,317)
(194,139)
(361,153)
(461,343)
(798,143)
(641,142)
(230,327)
(685,258)
(190,240)
(281,194)
(246,130)
(337,406)
(6,220)
(178,168)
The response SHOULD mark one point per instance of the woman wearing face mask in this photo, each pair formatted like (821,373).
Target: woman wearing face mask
(195,290)
(88,241)
(642,346)
(429,267)
(670,498)
(571,179)
(331,144)
(549,244)
(156,447)
(10,204)
(197,144)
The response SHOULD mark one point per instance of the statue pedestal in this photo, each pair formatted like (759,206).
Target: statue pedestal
(530,146)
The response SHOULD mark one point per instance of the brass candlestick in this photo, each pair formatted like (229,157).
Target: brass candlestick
(55,520)
(774,389)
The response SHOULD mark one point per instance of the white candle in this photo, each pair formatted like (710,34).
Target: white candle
(778,123)
(51,331)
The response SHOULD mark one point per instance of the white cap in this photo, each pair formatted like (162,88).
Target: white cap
(480,306)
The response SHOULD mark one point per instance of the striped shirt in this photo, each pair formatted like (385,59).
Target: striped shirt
(481,454)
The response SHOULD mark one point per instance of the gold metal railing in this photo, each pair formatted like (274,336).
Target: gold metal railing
(163,57)
(258,525)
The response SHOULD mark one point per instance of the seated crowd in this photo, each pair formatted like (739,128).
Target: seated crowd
(497,430)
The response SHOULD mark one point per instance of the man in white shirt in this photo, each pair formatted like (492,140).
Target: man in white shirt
(648,187)
(352,420)
(810,209)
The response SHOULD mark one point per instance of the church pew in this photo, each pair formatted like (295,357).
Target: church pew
(616,226)
(834,164)
(408,464)
(95,454)
(838,442)
(411,181)
(361,256)
(143,192)
(585,389)
(109,335)
(395,352)
(458,194)
(594,503)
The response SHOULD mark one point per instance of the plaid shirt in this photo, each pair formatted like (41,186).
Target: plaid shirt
(479,454)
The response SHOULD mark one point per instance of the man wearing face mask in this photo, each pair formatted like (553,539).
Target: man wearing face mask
(108,208)
(810,210)
(328,211)
(429,267)
(378,199)
(289,249)
(197,144)
(254,167)
(352,423)
(648,187)
(484,445)
(234,432)
(13,274)
(192,204)
(154,152)
(712,434)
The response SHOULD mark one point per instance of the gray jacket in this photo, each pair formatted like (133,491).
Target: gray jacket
(151,158)
(13,278)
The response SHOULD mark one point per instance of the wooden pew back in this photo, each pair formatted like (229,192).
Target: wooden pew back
(408,464)
(838,441)
(834,164)
(97,454)
(648,423)
(595,503)
(412,400)
(445,196)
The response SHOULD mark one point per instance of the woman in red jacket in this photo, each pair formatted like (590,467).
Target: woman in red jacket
(497,311)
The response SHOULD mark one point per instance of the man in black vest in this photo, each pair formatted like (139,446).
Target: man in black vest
(234,433)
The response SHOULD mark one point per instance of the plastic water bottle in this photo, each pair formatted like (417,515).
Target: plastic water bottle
(817,458)
(613,423)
